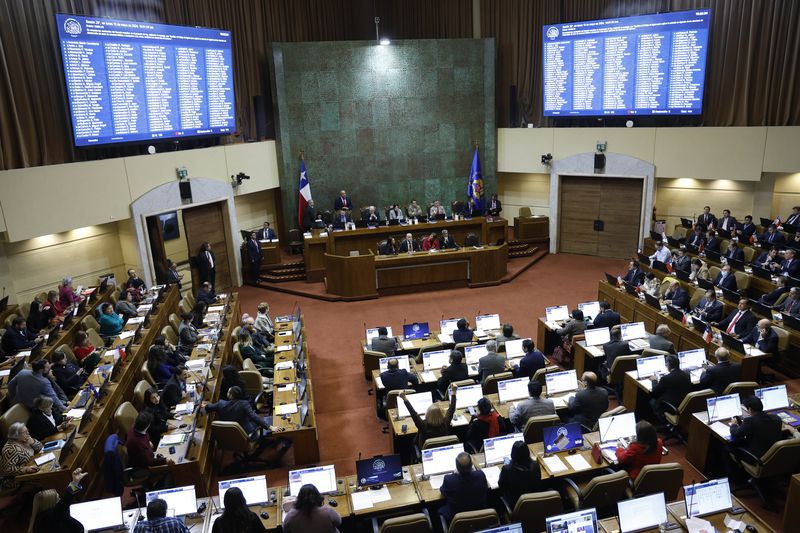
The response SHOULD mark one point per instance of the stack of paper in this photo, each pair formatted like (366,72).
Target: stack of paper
(407,345)
(171,440)
(577,462)
(436,481)
(46,458)
(286,409)
(554,464)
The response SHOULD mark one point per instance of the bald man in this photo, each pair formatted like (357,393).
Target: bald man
(722,374)
(763,337)
(466,490)
(589,402)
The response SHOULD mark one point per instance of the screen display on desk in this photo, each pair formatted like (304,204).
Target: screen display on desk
(498,449)
(556,313)
(468,396)
(139,81)
(417,330)
(514,348)
(402,362)
(723,407)
(597,336)
(322,477)
(558,382)
(706,498)
(651,366)
(589,309)
(254,489)
(509,390)
(440,460)
(472,354)
(435,360)
(383,469)
(180,499)
(613,428)
(373,332)
(643,65)
(637,514)
(508,528)
(98,514)
(419,401)
(562,437)
(773,397)
(447,327)
(487,322)
(584,521)
(633,331)
(691,359)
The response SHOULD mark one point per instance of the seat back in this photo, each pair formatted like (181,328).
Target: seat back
(413,523)
(692,403)
(237,361)
(17,413)
(435,442)
(604,491)
(124,417)
(697,295)
(463,383)
(622,364)
(10,319)
(371,361)
(252,382)
(713,272)
(649,352)
(147,376)
(533,509)
(88,322)
(248,364)
(235,332)
(461,345)
(189,297)
(749,254)
(174,321)
(66,350)
(95,338)
(170,334)
(665,477)
(229,436)
(429,348)
(742,279)
(470,521)
(783,337)
(393,395)
(490,385)
(525,211)
(24,309)
(535,426)
(744,388)
(138,393)
(541,374)
(783,457)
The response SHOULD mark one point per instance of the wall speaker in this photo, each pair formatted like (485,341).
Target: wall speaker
(186,191)
(599,162)
(513,107)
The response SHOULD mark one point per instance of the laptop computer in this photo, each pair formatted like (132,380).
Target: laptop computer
(468,396)
(488,322)
(791,321)
(514,348)
(725,234)
(562,437)
(699,325)
(402,362)
(675,313)
(643,259)
(766,222)
(761,309)
(508,528)
(95,515)
(630,289)
(509,390)
(379,470)
(558,382)
(612,280)
(714,256)
(681,274)
(707,498)
(705,284)
(498,449)
(640,514)
(652,301)
(441,460)
(692,359)
(394,222)
(472,354)
(419,401)
(417,330)
(557,313)
(613,429)
(371,333)
(182,500)
(723,407)
(655,236)
(647,367)
(733,343)
(435,360)
(589,309)
(675,243)
(633,331)
(687,223)
(322,477)
(773,398)
(578,521)
(658,265)
(761,272)
(736,263)
(731,296)
(597,336)
(254,489)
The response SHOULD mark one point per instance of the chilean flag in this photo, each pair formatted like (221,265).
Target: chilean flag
(304,193)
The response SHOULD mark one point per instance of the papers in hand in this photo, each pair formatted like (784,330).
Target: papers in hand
(577,462)
(75,414)
(554,464)
(286,409)
(171,440)
(46,458)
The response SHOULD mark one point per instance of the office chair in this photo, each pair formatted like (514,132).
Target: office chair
(469,521)
(124,417)
(743,388)
(413,523)
(138,393)
(524,211)
(652,479)
(601,492)
(370,360)
(17,413)
(116,473)
(67,351)
(780,461)
(540,375)
(532,509)
(616,375)
(174,321)
(535,425)
(147,376)
(678,417)
(490,385)
(170,335)
(88,322)
(230,437)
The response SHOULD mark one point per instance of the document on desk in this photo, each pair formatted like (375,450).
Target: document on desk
(284,365)
(286,388)
(646,384)
(126,334)
(215,308)
(171,440)
(444,338)
(480,333)
(492,475)
(459,420)
(144,307)
(286,409)
(380,495)
(284,348)
(554,464)
(436,481)
(723,430)
(46,458)
(407,345)
(184,408)
(75,414)
(552,325)
(733,524)
(361,500)
(595,351)
(194,364)
(378,382)
(698,525)
(135,320)
(561,401)
(752,350)
(427,377)
(577,462)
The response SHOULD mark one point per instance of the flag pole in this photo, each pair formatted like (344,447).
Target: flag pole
(302,154)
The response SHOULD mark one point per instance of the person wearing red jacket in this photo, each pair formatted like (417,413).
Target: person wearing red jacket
(645,450)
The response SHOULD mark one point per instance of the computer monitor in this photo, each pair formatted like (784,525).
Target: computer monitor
(440,460)
(562,437)
(692,359)
(699,325)
(417,330)
(98,514)
(419,401)
(180,499)
(675,312)
(254,489)
(402,362)
(373,332)
(498,449)
(558,382)
(612,280)
(638,514)
(651,366)
(556,313)
(613,428)
(509,390)
(378,470)
(435,360)
(773,397)
(487,322)
(710,497)
(597,336)
(468,396)
(632,331)
(590,309)
(723,407)
(472,354)
(652,301)
(514,348)
(508,528)
(577,522)
(448,326)
(322,477)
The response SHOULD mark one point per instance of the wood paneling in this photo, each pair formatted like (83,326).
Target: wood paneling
(580,207)
(207,223)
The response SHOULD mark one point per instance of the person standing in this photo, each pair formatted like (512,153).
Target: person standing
(207,264)
(254,256)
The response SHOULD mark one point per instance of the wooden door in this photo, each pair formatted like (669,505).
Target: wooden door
(207,223)
(157,249)
(616,202)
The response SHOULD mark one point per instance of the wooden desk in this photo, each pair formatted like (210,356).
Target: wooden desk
(403,496)
(537,450)
(340,496)
(678,512)
(534,227)
(351,277)
(792,503)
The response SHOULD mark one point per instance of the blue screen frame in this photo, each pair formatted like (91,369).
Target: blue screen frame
(562,437)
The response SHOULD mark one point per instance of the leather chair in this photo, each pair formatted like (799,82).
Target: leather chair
(652,479)
(248,364)
(698,294)
(535,425)
(616,375)
(783,338)
(170,335)
(436,442)
(431,348)
(470,521)
(174,321)
(618,410)
(524,211)
(743,388)
(10,319)
(781,460)
(413,523)
(650,352)
(463,383)
(490,385)
(237,360)
(461,345)
(371,361)
(713,271)
(391,399)
(88,322)
(124,417)
(66,350)
(147,376)
(541,374)
(601,492)
(678,417)
(235,332)
(114,297)
(17,413)
(296,241)
(230,437)
(532,510)
(138,393)
(253,384)
(95,338)
(749,254)
(742,280)
(189,297)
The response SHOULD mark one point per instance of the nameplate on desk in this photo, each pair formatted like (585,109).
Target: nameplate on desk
(184,408)
(267,241)
(144,307)
(285,333)
(75,414)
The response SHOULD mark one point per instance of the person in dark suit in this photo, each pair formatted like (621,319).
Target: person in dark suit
(446,241)
(758,432)
(790,266)
(707,219)
(494,206)
(734,252)
(726,222)
(388,247)
(763,337)
(394,377)
(466,490)
(532,361)
(207,263)
(607,317)
(613,349)
(681,261)
(677,296)
(43,420)
(659,341)
(635,275)
(409,244)
(266,233)
(722,374)
(456,371)
(69,376)
(491,363)
(671,388)
(740,322)
(17,337)
(522,475)
(506,334)
(747,230)
(383,342)
(462,333)
(206,294)
(697,238)
(709,309)
(173,276)
(236,408)
(341,219)
(371,216)
(254,256)
(772,298)
(767,259)
(175,389)
(343,202)
(576,325)
(725,279)
(791,304)
(794,218)
(309,216)
(773,237)
(589,402)
(712,243)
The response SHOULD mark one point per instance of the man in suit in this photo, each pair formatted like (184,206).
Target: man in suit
(414,210)
(395,378)
(635,275)
(791,304)
(771,298)
(659,341)
(697,238)
(671,388)
(740,322)
(207,264)
(409,244)
(794,218)
(388,247)
(69,376)
(681,261)
(574,326)
(532,361)
(206,294)
(677,296)
(343,202)
(719,376)
(773,237)
(712,243)
(175,390)
(309,216)
(726,222)
(758,432)
(266,233)
(456,371)
(254,256)
(383,342)
(613,349)
(607,317)
(734,252)
(395,213)
(709,309)
(18,338)
(589,402)
(790,266)
(173,276)
(341,219)
(767,259)
(506,334)
(371,217)
(465,490)
(707,219)
(521,412)
(747,230)
(494,206)
(491,363)
(436,210)
(30,384)
(237,408)
(462,333)
(725,279)
(446,241)
(763,337)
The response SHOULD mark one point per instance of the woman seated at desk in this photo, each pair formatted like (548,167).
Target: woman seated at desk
(652,285)
(645,450)
(43,421)
(67,295)
(430,242)
(160,370)
(18,450)
(125,306)
(199,312)
(249,351)
(486,424)
(159,412)
(436,423)
(237,517)
(522,475)
(85,352)
(309,514)
(388,247)
(110,323)
(699,270)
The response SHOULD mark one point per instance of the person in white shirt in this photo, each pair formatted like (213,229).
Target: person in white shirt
(436,209)
(395,213)
(662,254)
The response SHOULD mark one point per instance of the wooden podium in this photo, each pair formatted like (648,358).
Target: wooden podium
(351,276)
(531,228)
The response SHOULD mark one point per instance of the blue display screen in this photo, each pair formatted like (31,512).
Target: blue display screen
(137,81)
(384,469)
(417,330)
(562,437)
(645,65)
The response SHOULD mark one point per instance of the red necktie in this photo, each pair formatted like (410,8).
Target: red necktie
(733,322)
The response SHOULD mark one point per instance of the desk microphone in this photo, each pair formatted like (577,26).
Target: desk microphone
(689,501)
